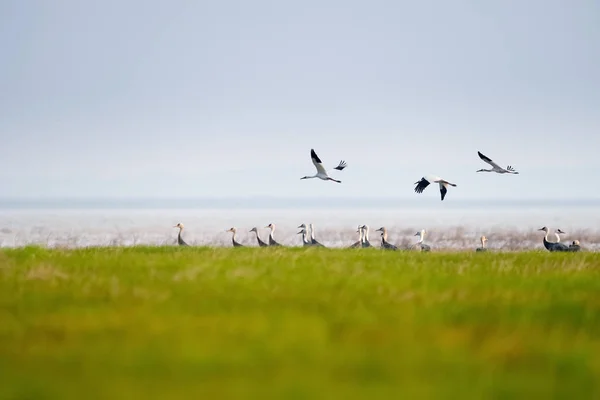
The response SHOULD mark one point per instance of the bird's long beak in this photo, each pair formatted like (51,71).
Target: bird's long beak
(541,229)
(299,232)
(417,234)
(379,230)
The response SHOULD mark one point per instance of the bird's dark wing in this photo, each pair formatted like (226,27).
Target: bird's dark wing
(443,191)
(421,185)
(314,156)
(341,166)
(484,157)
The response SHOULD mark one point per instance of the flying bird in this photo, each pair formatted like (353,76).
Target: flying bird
(341,165)
(424,182)
(495,167)
(321,172)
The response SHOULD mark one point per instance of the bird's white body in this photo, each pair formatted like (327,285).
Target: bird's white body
(425,181)
(321,171)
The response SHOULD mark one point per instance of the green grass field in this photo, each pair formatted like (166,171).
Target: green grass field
(125,323)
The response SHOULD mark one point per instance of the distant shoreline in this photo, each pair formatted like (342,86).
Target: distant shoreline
(282,203)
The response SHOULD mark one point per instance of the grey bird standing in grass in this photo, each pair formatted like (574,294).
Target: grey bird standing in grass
(420,245)
(260,242)
(305,241)
(235,243)
(384,243)
(180,241)
(312,237)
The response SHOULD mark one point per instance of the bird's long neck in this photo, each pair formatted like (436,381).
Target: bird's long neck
(180,230)
(312,232)
(233,233)
(482,243)
(384,235)
(366,233)
(557,237)
(421,237)
(304,239)
(272,230)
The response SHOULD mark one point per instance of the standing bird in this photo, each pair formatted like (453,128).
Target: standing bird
(235,243)
(574,246)
(180,241)
(305,241)
(423,183)
(483,241)
(312,237)
(420,245)
(495,167)
(272,241)
(360,239)
(260,242)
(365,238)
(384,243)
(553,246)
(321,172)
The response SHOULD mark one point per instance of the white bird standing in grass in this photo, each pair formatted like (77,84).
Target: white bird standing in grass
(180,240)
(365,237)
(424,182)
(483,241)
(495,167)
(272,241)
(321,172)
(235,243)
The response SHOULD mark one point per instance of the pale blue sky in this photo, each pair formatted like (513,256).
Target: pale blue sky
(226,98)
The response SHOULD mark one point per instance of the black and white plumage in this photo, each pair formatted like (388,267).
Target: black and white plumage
(495,167)
(384,243)
(312,236)
(424,182)
(365,237)
(180,240)
(553,246)
(305,241)
(235,243)
(321,171)
(260,242)
(272,241)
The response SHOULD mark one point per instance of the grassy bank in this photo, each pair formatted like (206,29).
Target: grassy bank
(297,323)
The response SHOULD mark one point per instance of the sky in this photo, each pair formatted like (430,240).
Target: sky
(226,98)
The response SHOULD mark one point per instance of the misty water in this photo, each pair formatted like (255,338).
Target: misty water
(507,224)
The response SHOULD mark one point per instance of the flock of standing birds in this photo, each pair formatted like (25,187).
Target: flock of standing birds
(308,238)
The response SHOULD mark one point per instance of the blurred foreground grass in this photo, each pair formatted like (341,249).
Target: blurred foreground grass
(124,323)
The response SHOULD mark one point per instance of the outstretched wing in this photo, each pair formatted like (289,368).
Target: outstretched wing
(341,166)
(443,189)
(421,185)
(317,162)
(488,160)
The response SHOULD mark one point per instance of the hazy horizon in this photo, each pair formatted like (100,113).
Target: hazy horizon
(226,99)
